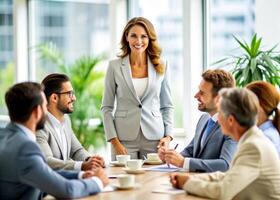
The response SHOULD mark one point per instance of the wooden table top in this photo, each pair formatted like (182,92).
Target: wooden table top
(149,181)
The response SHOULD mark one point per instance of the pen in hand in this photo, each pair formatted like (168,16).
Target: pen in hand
(174,149)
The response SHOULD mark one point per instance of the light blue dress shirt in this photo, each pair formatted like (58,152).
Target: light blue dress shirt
(271,133)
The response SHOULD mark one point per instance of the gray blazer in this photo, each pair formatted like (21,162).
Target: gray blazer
(24,173)
(124,113)
(217,152)
(50,146)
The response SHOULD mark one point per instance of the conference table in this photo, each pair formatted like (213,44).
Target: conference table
(148,182)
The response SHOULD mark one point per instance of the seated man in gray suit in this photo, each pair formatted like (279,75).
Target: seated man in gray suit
(24,173)
(209,150)
(57,140)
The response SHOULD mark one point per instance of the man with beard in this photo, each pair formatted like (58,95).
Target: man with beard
(57,140)
(209,150)
(24,173)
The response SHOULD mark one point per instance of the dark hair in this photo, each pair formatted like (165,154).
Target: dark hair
(22,98)
(53,83)
(153,50)
(219,79)
(269,98)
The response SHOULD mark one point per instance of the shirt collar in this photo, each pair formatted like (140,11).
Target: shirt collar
(215,117)
(252,129)
(54,120)
(267,124)
(28,132)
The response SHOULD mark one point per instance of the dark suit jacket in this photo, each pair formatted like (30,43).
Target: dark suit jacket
(24,173)
(217,152)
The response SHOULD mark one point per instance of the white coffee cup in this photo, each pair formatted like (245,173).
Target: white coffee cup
(153,156)
(122,158)
(134,164)
(126,180)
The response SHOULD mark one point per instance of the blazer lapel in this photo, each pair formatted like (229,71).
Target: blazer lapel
(197,140)
(209,136)
(151,78)
(126,71)
(200,129)
(52,131)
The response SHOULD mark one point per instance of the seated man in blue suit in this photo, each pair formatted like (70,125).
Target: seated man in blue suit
(209,150)
(24,173)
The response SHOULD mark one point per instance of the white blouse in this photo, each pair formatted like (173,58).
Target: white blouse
(140,85)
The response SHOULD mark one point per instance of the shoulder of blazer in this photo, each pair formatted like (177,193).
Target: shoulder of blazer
(203,118)
(116,62)
(48,128)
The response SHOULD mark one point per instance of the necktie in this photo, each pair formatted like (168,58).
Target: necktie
(207,131)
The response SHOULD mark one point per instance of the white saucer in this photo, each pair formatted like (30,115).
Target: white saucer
(117,185)
(116,163)
(153,162)
(134,171)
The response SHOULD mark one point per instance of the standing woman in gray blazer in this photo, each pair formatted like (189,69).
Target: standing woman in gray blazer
(137,107)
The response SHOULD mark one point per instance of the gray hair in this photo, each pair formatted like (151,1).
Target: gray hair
(241,103)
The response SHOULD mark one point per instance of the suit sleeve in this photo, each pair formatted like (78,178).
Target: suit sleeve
(108,104)
(33,171)
(188,151)
(166,104)
(244,171)
(55,163)
(68,174)
(220,164)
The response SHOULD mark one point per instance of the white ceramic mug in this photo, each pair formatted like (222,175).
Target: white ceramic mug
(134,164)
(153,156)
(126,180)
(122,158)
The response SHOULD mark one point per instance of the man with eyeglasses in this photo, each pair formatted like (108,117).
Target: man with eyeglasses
(24,173)
(57,140)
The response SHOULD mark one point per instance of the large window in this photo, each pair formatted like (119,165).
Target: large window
(7,69)
(76,28)
(228,18)
(167,19)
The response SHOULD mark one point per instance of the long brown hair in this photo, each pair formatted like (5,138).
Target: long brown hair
(153,50)
(269,99)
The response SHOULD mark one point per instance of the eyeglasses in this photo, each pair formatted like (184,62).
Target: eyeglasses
(70,93)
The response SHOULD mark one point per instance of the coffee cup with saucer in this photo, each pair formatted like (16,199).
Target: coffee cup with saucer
(121,160)
(125,182)
(153,159)
(134,166)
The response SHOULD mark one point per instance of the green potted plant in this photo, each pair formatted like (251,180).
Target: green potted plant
(88,85)
(253,63)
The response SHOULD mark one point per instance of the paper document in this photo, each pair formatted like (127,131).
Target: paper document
(168,189)
(163,168)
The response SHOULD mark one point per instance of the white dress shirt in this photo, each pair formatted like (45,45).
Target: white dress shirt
(140,85)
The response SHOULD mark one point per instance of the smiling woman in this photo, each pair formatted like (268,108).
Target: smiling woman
(138,81)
